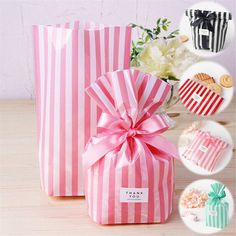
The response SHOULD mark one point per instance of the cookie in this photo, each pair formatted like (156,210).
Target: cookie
(215,87)
(183,38)
(209,81)
(226,81)
(205,78)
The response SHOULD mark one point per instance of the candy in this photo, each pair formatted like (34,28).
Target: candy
(194,198)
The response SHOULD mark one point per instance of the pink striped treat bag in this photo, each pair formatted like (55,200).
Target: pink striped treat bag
(128,166)
(68,57)
(205,150)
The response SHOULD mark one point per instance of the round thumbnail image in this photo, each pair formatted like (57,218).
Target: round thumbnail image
(206,88)
(205,147)
(207,28)
(206,206)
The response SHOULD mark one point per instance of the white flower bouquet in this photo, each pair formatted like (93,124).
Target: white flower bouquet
(163,56)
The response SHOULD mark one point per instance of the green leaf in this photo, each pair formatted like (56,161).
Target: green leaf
(151,34)
(171,77)
(133,44)
(158,21)
(164,79)
(158,30)
(148,31)
(140,43)
(164,20)
(175,32)
(164,27)
(147,38)
(133,25)
(139,49)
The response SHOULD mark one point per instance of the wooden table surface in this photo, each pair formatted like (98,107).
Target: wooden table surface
(26,210)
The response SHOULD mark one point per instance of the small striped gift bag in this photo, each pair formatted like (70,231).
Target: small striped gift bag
(128,166)
(216,208)
(199,99)
(68,57)
(208,28)
(205,150)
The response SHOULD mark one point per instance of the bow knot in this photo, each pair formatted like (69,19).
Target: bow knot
(217,194)
(116,130)
(211,140)
(204,18)
(132,132)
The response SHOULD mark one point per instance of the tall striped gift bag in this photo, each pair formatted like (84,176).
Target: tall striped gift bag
(199,99)
(205,150)
(68,57)
(128,166)
(208,28)
(216,208)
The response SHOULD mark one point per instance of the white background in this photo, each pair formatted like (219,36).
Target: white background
(216,71)
(185,28)
(199,227)
(216,130)
(17,17)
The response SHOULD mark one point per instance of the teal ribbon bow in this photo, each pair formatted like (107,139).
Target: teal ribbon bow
(217,194)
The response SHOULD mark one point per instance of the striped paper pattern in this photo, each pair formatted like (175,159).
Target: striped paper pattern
(213,41)
(107,176)
(217,215)
(205,150)
(68,57)
(199,99)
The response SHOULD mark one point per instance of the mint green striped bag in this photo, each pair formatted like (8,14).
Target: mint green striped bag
(216,208)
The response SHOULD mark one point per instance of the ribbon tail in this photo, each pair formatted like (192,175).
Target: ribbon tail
(98,147)
(155,124)
(210,27)
(162,144)
(197,22)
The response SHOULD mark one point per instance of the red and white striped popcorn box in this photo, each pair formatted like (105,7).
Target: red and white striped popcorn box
(205,150)
(199,99)
(128,166)
(68,57)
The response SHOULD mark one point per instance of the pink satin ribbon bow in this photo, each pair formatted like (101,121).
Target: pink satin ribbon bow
(119,133)
(211,140)
(128,128)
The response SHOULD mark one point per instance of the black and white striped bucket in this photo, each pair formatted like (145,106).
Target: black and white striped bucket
(209,28)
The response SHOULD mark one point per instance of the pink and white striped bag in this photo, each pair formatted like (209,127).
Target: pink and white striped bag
(68,58)
(205,150)
(129,166)
(199,99)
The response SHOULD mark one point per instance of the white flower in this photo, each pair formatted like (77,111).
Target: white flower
(166,57)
